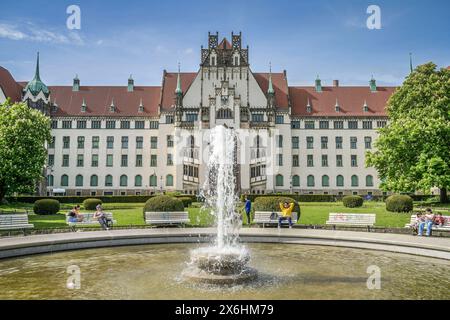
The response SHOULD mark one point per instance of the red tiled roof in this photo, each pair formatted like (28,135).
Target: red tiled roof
(280,86)
(350,99)
(170,84)
(9,86)
(98,100)
(224,44)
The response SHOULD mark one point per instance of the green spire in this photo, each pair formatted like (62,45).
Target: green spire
(36,85)
(178,90)
(318,84)
(410,62)
(270,89)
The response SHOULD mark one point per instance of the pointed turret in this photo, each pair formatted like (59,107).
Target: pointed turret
(270,89)
(130,83)
(373,85)
(76,83)
(36,85)
(178,90)
(318,84)
(410,63)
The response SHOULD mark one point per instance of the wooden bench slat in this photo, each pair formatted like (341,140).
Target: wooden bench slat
(14,221)
(357,219)
(177,217)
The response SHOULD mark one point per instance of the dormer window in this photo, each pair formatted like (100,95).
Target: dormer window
(54,107)
(83,106)
(141,107)
(337,107)
(365,107)
(308,107)
(112,107)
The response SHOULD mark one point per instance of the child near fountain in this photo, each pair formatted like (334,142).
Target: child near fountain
(286,210)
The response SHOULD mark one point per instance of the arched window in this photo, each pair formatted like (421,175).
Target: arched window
(311,182)
(355,182)
(123,180)
(191,142)
(339,181)
(79,180)
(50,180)
(138,181)
(94,180)
(296,181)
(325,181)
(279,180)
(169,180)
(369,181)
(153,180)
(64,180)
(224,114)
(108,181)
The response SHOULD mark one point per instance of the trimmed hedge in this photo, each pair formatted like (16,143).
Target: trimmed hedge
(187,201)
(46,206)
(273,203)
(399,203)
(163,203)
(296,197)
(352,201)
(80,199)
(91,204)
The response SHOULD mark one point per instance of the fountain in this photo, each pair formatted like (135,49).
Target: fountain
(226,261)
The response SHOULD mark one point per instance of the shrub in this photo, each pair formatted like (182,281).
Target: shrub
(163,203)
(187,201)
(297,197)
(399,203)
(352,201)
(273,203)
(91,204)
(46,206)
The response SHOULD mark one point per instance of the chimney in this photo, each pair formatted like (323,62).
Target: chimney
(336,83)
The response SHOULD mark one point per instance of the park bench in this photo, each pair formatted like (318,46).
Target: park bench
(446,225)
(351,219)
(16,221)
(167,218)
(263,217)
(89,220)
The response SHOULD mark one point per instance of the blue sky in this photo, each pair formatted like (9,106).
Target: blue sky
(325,37)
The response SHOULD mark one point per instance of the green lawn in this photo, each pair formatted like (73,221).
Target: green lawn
(130,214)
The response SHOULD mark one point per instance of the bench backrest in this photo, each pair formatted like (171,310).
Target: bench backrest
(446,218)
(352,218)
(263,215)
(90,216)
(13,219)
(174,215)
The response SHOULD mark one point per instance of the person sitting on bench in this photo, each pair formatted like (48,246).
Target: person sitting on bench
(439,220)
(286,213)
(429,220)
(105,223)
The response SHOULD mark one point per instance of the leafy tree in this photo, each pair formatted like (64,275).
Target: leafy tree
(23,133)
(413,150)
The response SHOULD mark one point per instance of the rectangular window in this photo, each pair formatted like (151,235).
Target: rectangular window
(67,124)
(367,124)
(309,142)
(51,144)
(353,124)
(80,142)
(324,160)
(368,142)
(169,159)
(95,142)
(139,160)
(124,161)
(295,160)
(81,124)
(109,160)
(124,142)
(139,142)
(65,160)
(310,160)
(191,117)
(339,142)
(110,124)
(324,142)
(324,124)
(109,142)
(94,160)
(139,124)
(309,124)
(279,141)
(96,124)
(169,141)
(339,162)
(153,142)
(257,117)
(354,161)
(280,159)
(279,119)
(66,142)
(54,124)
(338,124)
(353,142)
(295,124)
(124,124)
(154,124)
(169,119)
(153,160)
(381,124)
(295,143)
(51,159)
(80,160)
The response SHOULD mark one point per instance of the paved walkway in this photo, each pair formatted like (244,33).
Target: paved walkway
(430,247)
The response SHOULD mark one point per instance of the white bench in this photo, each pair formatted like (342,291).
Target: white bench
(89,220)
(446,225)
(167,218)
(263,217)
(352,219)
(17,221)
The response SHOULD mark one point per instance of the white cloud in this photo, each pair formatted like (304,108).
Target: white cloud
(10,32)
(189,51)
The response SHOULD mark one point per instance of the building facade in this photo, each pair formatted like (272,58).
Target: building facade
(127,140)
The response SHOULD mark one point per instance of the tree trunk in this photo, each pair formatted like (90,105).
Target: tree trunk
(443,195)
(2,194)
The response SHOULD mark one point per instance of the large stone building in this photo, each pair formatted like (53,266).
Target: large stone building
(143,139)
